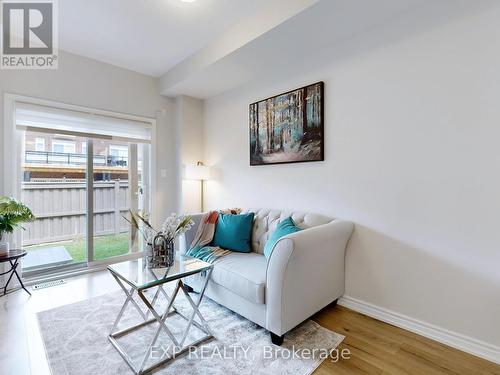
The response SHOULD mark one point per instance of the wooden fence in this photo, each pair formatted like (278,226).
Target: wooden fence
(60,209)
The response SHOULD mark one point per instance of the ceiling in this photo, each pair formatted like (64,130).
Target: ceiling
(315,31)
(324,32)
(147,36)
(206,47)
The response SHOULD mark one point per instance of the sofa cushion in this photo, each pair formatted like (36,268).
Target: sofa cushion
(242,273)
(285,227)
(234,232)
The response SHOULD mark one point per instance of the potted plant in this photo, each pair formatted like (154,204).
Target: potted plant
(12,214)
(160,243)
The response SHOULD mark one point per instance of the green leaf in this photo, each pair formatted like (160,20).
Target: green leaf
(185,221)
(13,213)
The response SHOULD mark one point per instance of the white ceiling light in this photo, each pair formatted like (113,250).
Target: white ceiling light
(188,1)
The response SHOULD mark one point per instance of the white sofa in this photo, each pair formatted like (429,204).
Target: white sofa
(305,271)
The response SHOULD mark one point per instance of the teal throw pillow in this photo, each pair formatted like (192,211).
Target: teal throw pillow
(287,226)
(234,232)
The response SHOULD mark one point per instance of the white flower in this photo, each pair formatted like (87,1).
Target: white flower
(171,227)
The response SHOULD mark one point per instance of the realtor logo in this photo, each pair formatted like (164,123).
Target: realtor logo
(29,34)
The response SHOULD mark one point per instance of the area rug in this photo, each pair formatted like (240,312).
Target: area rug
(76,342)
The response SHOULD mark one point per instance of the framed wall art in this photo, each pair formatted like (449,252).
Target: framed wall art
(288,128)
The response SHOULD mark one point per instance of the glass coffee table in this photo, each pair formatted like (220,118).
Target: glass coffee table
(135,277)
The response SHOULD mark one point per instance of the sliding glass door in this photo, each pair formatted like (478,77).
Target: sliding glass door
(81,182)
(119,185)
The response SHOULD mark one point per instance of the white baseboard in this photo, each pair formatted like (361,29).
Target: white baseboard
(444,336)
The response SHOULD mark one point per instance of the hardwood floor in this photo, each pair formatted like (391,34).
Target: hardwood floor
(375,347)
(380,348)
(21,346)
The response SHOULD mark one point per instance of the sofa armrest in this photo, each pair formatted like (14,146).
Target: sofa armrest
(185,239)
(305,273)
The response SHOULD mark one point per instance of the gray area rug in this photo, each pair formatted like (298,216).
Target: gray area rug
(76,342)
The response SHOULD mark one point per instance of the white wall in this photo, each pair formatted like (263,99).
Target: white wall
(412,157)
(87,82)
(189,129)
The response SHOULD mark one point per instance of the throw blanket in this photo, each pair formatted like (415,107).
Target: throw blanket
(203,237)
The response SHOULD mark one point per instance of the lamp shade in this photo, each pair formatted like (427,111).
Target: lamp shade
(197,172)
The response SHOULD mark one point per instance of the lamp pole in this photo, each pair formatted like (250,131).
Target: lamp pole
(202,208)
(198,172)
(201,186)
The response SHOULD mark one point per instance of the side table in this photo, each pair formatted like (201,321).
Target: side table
(13,257)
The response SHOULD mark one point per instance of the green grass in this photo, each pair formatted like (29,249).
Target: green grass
(104,247)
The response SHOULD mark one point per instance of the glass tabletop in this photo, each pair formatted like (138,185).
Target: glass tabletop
(137,274)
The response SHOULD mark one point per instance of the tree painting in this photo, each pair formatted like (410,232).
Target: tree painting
(287,128)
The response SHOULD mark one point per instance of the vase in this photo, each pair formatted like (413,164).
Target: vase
(162,252)
(148,253)
(4,248)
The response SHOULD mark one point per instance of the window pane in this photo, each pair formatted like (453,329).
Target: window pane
(116,191)
(39,144)
(53,186)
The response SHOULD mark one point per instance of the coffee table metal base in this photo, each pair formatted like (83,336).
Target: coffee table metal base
(180,345)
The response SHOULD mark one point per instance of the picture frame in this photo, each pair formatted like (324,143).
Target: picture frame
(288,127)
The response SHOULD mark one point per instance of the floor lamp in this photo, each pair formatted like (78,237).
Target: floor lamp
(198,172)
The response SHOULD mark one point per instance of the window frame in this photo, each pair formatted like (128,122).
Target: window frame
(12,173)
(64,143)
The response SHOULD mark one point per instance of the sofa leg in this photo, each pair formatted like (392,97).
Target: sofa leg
(334,303)
(277,340)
